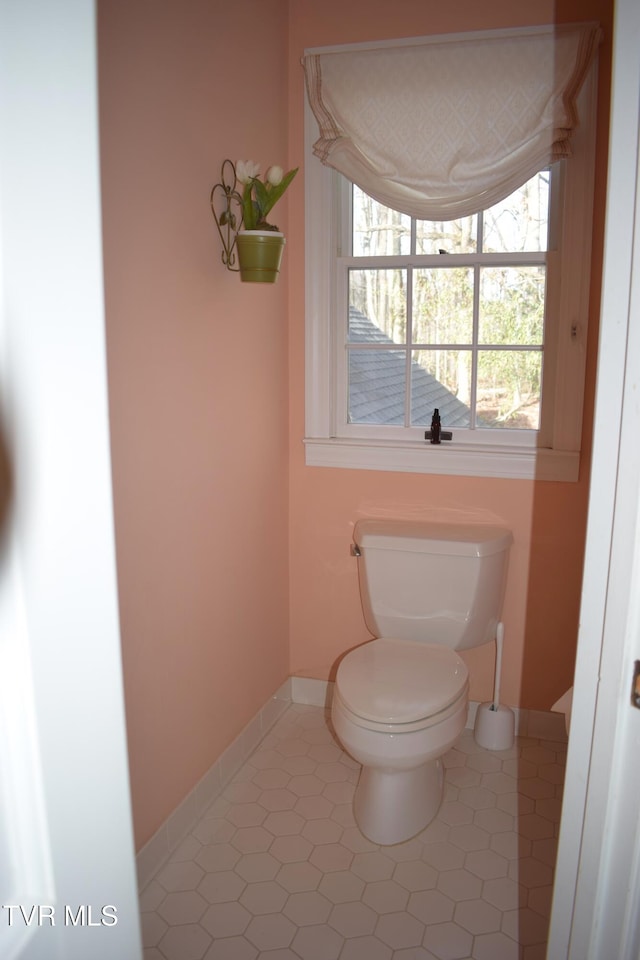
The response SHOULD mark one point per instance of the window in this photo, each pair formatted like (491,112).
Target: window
(483,317)
(446,315)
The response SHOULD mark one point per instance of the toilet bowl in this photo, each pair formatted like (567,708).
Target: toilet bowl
(400,700)
(397,707)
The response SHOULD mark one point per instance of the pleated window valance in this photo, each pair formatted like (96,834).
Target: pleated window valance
(442,127)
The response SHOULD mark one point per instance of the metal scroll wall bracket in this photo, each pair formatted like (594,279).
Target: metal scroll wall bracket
(226,206)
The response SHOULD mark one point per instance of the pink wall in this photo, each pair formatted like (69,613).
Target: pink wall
(198,383)
(547,519)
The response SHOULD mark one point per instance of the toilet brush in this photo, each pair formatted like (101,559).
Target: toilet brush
(495,724)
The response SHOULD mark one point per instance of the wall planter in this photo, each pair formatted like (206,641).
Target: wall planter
(260,255)
(241,218)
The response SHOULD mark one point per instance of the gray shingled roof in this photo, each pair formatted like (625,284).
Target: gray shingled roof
(377,383)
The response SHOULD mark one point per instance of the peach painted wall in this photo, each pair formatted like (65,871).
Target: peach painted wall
(547,519)
(198,383)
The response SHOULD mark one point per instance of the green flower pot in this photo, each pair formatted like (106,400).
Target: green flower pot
(259,255)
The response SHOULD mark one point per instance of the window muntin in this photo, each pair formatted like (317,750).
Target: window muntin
(447,314)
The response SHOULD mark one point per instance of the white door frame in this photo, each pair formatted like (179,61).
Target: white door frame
(66,844)
(596,907)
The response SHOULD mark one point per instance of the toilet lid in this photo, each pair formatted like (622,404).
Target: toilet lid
(400,681)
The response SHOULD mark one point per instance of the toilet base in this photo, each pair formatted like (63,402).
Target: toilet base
(391,806)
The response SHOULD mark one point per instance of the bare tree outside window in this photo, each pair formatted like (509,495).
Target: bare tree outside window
(461,303)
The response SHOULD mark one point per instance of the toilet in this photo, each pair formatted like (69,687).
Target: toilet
(400,701)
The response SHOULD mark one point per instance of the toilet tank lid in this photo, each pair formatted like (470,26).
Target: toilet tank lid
(451,539)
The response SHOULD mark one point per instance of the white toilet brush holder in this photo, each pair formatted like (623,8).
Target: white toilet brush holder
(495,724)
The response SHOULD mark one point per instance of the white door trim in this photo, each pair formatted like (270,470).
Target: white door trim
(64,741)
(597,887)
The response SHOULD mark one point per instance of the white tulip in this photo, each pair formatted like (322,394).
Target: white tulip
(275,175)
(247,170)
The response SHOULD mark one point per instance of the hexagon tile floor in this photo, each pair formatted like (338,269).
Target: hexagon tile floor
(277,868)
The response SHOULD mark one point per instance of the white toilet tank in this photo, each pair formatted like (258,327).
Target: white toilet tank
(438,583)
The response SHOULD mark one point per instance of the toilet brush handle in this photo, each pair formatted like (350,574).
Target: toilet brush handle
(496,685)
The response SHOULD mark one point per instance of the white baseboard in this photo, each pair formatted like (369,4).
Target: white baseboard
(317,693)
(156,851)
(529,723)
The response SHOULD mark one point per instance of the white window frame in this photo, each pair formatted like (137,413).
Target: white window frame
(551,454)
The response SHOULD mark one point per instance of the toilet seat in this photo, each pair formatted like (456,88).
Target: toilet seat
(401,684)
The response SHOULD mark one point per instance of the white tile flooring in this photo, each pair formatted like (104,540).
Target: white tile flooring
(277,868)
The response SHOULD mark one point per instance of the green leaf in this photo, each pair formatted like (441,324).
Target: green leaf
(249,208)
(276,192)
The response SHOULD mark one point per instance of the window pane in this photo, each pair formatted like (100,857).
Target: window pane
(512,305)
(451,236)
(378,231)
(442,379)
(378,305)
(443,305)
(377,381)
(520,222)
(509,389)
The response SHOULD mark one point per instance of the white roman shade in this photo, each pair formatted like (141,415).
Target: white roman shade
(441,127)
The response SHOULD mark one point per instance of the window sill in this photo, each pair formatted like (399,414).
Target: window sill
(509,463)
